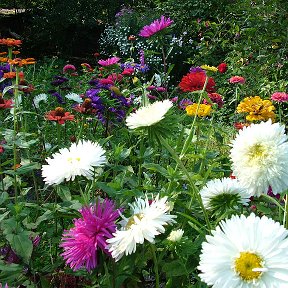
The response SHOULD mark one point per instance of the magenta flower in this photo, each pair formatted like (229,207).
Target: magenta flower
(89,234)
(69,68)
(6,286)
(156,26)
(279,97)
(109,61)
(237,79)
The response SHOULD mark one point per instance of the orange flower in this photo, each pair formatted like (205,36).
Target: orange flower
(10,42)
(9,75)
(20,62)
(3,59)
(3,53)
(59,115)
(16,52)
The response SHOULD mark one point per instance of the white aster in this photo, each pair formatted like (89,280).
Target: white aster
(40,98)
(225,190)
(148,115)
(74,97)
(147,221)
(259,157)
(245,253)
(175,235)
(79,160)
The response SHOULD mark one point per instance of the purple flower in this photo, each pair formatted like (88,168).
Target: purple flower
(184,103)
(196,69)
(57,95)
(89,234)
(156,26)
(142,57)
(58,80)
(109,61)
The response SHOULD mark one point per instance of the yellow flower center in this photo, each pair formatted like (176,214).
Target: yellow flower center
(246,266)
(132,220)
(257,151)
(71,159)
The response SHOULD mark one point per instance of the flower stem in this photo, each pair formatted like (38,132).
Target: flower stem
(156,271)
(285,217)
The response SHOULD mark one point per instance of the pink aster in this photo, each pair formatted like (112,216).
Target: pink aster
(109,61)
(279,97)
(237,79)
(89,234)
(156,26)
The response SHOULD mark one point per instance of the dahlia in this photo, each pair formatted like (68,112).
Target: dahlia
(201,110)
(245,252)
(79,160)
(279,97)
(259,157)
(156,26)
(89,235)
(147,221)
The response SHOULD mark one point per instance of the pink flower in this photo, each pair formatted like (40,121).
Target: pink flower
(106,81)
(89,234)
(156,26)
(115,77)
(215,98)
(69,68)
(237,79)
(128,71)
(279,97)
(109,61)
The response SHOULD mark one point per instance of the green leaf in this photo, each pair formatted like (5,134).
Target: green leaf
(64,193)
(174,268)
(157,168)
(3,197)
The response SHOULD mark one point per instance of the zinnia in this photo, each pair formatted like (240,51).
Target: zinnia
(237,79)
(108,62)
(279,97)
(89,235)
(156,26)
(222,68)
(5,104)
(59,115)
(200,110)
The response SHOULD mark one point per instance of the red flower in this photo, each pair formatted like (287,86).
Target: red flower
(240,125)
(237,79)
(5,104)
(10,42)
(128,71)
(1,149)
(86,107)
(215,98)
(222,67)
(59,115)
(194,81)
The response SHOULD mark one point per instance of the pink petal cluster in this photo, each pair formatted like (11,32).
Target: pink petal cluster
(109,61)
(279,97)
(215,98)
(89,234)
(156,26)
(237,79)
(69,68)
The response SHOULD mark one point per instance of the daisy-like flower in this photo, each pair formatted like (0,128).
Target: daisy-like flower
(223,193)
(5,103)
(201,110)
(280,97)
(148,115)
(10,42)
(109,61)
(256,109)
(74,97)
(175,235)
(40,98)
(89,234)
(79,160)
(245,253)
(259,157)
(59,115)
(147,221)
(184,103)
(237,79)
(194,81)
(156,26)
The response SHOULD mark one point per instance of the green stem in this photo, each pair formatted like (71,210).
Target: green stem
(58,134)
(285,217)
(80,131)
(156,271)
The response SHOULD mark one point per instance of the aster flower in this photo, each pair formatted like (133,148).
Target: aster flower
(59,115)
(175,235)
(156,26)
(108,62)
(40,98)
(196,69)
(257,109)
(89,235)
(194,81)
(184,103)
(222,194)
(147,221)
(74,97)
(259,157)
(201,110)
(237,79)
(245,252)
(79,160)
(148,115)
(58,80)
(222,68)
(279,97)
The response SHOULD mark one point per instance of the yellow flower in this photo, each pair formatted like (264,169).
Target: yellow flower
(209,68)
(203,110)
(257,109)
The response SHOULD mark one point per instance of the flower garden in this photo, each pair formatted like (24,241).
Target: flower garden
(119,174)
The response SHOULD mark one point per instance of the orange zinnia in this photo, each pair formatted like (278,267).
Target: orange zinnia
(10,42)
(59,115)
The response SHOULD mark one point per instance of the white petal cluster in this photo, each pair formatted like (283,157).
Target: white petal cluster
(259,157)
(228,186)
(147,221)
(252,235)
(175,235)
(148,115)
(74,97)
(79,160)
(40,98)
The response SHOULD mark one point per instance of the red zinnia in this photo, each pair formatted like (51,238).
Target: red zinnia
(59,115)
(6,104)
(279,97)
(194,81)
(222,67)
(237,79)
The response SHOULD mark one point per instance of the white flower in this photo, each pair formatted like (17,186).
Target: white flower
(246,253)
(147,221)
(148,115)
(79,159)
(74,97)
(260,158)
(39,98)
(223,191)
(175,235)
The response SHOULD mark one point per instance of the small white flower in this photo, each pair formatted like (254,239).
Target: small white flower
(259,157)
(74,97)
(147,221)
(40,98)
(79,160)
(148,115)
(245,253)
(175,235)
(223,191)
